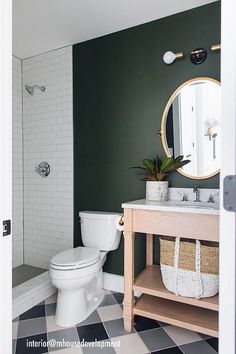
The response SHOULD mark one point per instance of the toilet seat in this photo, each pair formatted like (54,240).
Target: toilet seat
(75,258)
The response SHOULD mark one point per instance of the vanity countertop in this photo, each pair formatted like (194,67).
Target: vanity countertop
(174,206)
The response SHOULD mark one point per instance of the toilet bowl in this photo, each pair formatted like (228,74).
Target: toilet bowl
(77,272)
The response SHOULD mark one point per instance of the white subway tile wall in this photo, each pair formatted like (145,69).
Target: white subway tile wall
(48,136)
(17,164)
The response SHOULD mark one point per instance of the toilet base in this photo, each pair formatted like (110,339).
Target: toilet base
(75,306)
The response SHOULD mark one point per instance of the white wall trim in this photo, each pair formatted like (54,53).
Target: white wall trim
(113,282)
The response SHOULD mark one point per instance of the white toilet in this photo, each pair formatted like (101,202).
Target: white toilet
(77,272)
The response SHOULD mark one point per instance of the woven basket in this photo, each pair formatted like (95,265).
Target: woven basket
(189,267)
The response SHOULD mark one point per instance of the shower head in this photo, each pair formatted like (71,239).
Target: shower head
(30,89)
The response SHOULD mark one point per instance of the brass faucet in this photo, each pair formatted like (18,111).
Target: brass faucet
(196,190)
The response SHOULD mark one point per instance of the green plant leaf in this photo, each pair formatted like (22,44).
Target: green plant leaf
(166,164)
(149,166)
(157,170)
(177,165)
(179,158)
(158,163)
(181,164)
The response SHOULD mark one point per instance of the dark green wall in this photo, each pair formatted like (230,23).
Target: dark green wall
(121,86)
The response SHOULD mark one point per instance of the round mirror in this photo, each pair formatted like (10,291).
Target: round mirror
(191,126)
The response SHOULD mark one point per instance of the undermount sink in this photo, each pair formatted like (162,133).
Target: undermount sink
(197,205)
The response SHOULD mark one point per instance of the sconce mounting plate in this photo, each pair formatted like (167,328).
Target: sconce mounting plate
(198,56)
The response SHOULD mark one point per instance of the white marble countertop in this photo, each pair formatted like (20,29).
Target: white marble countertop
(174,206)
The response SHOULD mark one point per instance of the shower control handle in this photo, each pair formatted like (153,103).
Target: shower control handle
(43,169)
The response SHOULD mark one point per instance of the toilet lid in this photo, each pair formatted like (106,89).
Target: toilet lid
(76,258)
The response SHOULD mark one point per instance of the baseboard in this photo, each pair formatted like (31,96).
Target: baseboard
(113,282)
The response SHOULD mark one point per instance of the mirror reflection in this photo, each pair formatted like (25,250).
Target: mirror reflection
(191,126)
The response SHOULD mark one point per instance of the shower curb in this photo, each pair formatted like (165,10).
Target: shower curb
(31,293)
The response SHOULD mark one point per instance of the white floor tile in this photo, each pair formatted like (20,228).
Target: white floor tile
(14,329)
(51,325)
(182,336)
(130,343)
(110,312)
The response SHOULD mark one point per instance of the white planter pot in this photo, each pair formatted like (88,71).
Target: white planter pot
(157,191)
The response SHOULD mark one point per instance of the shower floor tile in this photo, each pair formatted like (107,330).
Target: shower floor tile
(24,273)
(105,325)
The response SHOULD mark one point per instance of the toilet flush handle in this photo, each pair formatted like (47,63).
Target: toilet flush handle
(121,222)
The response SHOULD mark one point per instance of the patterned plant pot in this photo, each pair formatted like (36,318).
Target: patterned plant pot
(157,191)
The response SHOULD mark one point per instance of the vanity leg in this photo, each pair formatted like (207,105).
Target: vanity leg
(128,303)
(149,249)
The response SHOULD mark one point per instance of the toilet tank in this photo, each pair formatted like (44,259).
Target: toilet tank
(98,230)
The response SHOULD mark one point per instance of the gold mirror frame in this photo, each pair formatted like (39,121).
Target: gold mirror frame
(163,124)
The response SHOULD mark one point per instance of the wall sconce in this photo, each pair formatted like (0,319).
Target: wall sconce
(197,56)
(169,57)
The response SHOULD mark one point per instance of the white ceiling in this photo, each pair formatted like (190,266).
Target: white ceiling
(43,25)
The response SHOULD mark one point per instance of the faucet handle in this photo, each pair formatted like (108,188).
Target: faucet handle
(184,196)
(211,198)
(197,191)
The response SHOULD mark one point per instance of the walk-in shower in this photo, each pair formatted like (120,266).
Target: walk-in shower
(30,280)
(42,213)
(30,89)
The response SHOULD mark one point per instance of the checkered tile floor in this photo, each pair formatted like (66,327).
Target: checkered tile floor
(106,324)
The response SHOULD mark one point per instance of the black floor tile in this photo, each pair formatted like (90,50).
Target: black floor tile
(36,311)
(144,323)
(23,348)
(119,297)
(198,347)
(213,342)
(92,332)
(173,350)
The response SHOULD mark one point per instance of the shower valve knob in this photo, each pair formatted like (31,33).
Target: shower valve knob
(43,169)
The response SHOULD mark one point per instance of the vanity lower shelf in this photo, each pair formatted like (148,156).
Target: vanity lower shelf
(149,282)
(178,314)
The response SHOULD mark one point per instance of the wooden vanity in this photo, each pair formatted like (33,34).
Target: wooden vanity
(156,301)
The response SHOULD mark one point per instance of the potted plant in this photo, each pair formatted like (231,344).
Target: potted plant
(155,171)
